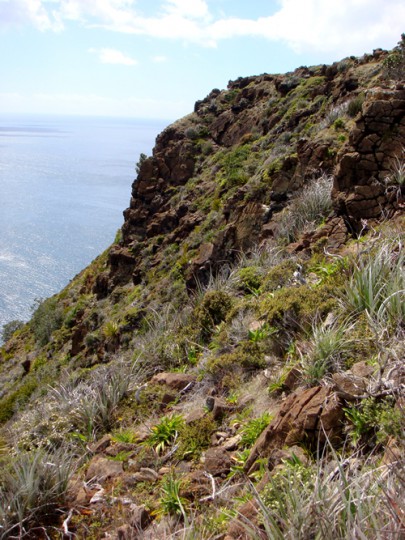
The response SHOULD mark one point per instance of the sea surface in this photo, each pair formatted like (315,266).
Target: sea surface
(64,183)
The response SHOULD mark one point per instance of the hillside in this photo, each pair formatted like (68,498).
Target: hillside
(233,365)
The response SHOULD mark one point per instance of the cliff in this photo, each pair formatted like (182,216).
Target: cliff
(243,338)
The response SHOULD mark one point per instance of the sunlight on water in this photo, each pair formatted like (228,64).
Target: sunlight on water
(64,183)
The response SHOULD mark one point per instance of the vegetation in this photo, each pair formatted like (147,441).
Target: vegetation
(251,287)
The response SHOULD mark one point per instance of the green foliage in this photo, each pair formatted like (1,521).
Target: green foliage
(142,158)
(263,332)
(31,488)
(394,64)
(195,437)
(212,310)
(327,348)
(251,430)
(9,329)
(47,317)
(13,400)
(170,501)
(293,475)
(249,279)
(339,123)
(248,356)
(378,418)
(295,306)
(124,436)
(165,432)
(111,330)
(377,285)
(233,166)
(355,105)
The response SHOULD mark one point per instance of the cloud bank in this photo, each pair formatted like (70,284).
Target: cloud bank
(344,26)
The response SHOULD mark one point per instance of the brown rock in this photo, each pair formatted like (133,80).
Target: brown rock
(311,415)
(217,461)
(102,468)
(349,386)
(100,445)
(175,381)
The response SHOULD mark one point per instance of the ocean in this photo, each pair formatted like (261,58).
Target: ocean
(64,183)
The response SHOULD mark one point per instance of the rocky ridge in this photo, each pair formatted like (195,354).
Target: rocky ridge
(223,347)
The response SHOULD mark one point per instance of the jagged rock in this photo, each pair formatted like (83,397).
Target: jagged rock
(309,415)
(218,407)
(100,445)
(102,468)
(175,381)
(348,386)
(196,485)
(217,461)
(117,448)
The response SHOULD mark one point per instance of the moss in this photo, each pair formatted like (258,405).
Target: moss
(19,397)
(250,279)
(195,437)
(213,309)
(248,356)
(296,306)
(279,275)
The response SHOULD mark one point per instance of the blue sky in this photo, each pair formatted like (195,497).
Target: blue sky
(155,58)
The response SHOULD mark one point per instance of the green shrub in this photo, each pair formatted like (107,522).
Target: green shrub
(295,307)
(9,329)
(249,279)
(376,420)
(355,105)
(47,317)
(10,403)
(195,437)
(251,430)
(212,310)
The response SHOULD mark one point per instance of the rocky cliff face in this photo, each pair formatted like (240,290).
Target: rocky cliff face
(341,120)
(246,329)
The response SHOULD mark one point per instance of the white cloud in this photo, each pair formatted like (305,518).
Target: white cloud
(159,59)
(29,12)
(339,26)
(112,56)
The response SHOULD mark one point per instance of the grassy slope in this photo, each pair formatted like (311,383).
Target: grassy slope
(253,313)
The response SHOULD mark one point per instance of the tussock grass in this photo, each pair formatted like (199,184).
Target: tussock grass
(32,487)
(306,210)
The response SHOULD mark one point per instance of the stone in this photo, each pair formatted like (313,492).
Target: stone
(217,461)
(349,386)
(175,381)
(101,468)
(100,445)
(292,379)
(311,415)
(218,407)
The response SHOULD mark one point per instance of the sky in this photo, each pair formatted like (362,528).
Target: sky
(155,58)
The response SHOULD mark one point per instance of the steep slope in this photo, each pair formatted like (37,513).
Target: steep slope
(252,303)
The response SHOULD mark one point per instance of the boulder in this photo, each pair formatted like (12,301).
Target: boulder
(312,415)
(101,468)
(175,381)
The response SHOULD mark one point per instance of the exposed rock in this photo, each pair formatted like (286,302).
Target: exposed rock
(101,468)
(218,407)
(100,445)
(309,415)
(348,386)
(175,381)
(217,461)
